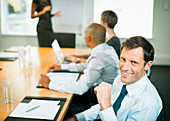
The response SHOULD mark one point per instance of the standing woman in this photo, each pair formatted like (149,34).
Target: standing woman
(42,9)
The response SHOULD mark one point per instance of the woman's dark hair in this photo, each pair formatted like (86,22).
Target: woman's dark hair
(110,18)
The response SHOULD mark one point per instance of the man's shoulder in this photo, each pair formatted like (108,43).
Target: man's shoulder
(150,97)
(105,55)
(105,50)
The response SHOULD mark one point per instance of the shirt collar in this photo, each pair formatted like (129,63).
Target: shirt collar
(134,88)
(97,48)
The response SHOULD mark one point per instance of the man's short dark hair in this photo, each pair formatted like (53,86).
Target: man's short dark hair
(110,18)
(138,41)
(97,32)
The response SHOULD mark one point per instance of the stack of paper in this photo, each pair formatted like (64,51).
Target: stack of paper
(37,109)
(64,76)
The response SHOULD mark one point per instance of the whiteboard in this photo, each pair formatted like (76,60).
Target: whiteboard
(135,17)
(72,12)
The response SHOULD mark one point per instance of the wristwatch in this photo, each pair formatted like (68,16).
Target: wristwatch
(78,60)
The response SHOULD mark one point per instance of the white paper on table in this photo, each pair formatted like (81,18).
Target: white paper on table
(47,110)
(8,55)
(64,76)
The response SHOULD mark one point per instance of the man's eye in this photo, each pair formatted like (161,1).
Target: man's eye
(134,62)
(122,59)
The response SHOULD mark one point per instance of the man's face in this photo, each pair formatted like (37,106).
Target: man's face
(86,37)
(132,65)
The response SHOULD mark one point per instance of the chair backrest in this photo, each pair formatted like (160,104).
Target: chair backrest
(161,116)
(66,40)
(148,73)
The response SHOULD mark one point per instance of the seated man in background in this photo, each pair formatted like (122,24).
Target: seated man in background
(132,97)
(108,20)
(101,66)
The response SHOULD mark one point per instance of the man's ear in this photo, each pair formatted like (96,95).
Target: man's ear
(148,65)
(89,39)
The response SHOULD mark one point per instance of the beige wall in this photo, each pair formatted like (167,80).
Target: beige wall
(160,41)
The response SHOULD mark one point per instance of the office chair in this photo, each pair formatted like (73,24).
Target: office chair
(148,73)
(161,116)
(65,40)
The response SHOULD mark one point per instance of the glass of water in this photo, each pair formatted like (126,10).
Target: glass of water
(7,89)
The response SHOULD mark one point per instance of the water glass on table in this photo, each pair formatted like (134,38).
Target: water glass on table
(25,60)
(7,89)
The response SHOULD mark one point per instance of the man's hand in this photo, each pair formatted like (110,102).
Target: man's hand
(82,60)
(44,81)
(103,93)
(54,67)
(71,58)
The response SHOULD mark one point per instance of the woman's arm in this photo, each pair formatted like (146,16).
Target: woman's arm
(57,14)
(34,8)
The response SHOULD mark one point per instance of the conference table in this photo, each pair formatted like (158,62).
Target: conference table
(23,86)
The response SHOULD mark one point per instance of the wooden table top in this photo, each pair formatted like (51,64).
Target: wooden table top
(23,86)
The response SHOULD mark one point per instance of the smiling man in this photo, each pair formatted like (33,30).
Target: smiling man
(132,96)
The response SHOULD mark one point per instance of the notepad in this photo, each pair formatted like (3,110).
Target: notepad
(6,56)
(64,76)
(46,109)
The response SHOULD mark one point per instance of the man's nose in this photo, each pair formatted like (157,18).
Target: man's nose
(126,66)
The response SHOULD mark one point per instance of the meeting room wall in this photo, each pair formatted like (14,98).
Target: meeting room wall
(7,41)
(161,32)
(160,40)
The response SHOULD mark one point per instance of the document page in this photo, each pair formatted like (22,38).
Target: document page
(37,109)
(64,76)
(8,55)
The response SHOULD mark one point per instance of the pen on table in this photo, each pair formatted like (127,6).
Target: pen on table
(32,108)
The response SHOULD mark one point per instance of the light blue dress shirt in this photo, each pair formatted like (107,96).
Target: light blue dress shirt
(101,66)
(142,103)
